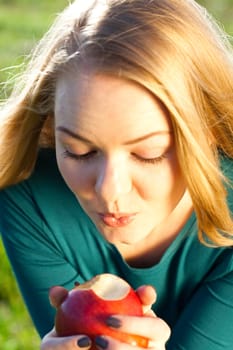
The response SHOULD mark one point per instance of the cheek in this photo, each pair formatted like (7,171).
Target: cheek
(165,184)
(77,177)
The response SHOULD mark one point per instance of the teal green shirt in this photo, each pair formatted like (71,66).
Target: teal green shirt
(51,241)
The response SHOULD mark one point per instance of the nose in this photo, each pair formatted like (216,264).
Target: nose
(113,180)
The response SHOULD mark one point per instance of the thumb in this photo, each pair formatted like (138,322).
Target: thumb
(147,295)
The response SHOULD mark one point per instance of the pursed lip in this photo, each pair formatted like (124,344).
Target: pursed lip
(116,219)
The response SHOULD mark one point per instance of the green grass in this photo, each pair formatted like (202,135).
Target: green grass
(16,329)
(22,22)
(223,12)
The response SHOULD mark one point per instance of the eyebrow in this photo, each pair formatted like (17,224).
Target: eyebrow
(130,142)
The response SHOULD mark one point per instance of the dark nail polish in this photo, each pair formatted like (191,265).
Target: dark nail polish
(101,342)
(113,322)
(84,342)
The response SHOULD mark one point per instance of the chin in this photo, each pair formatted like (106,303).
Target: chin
(123,236)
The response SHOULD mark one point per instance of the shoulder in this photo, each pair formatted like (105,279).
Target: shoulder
(48,187)
(44,180)
(41,195)
(46,166)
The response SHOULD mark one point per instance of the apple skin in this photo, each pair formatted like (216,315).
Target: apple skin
(82,311)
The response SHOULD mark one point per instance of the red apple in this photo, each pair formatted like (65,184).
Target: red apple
(85,309)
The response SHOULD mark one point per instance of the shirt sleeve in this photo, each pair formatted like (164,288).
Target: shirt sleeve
(36,258)
(207,321)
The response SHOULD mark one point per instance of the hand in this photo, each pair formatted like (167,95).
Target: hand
(149,326)
(52,342)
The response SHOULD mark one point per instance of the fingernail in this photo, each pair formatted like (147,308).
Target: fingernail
(84,342)
(101,342)
(113,322)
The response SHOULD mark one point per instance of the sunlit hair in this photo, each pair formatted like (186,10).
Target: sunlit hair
(172,48)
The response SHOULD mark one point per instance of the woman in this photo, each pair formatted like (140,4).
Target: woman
(116,156)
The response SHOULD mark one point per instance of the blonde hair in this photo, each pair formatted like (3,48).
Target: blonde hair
(172,48)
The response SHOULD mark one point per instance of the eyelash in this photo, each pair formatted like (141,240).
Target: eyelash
(152,161)
(82,157)
(88,156)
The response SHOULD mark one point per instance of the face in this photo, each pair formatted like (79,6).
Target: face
(115,149)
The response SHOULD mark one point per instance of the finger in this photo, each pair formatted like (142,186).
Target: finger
(52,342)
(57,295)
(147,295)
(108,343)
(153,328)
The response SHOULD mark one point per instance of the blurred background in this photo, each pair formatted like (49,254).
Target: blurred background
(22,23)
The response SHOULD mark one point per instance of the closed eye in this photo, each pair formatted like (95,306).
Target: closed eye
(155,160)
(80,157)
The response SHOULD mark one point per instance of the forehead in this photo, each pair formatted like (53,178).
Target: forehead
(103,98)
